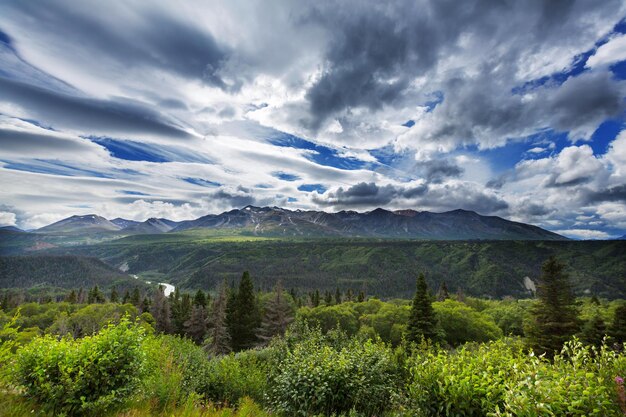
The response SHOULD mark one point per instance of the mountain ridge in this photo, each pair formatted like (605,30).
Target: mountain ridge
(275,221)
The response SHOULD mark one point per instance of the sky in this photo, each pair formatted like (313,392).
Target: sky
(178,109)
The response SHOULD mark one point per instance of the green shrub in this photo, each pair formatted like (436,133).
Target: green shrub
(463,324)
(232,377)
(469,382)
(176,369)
(318,377)
(85,376)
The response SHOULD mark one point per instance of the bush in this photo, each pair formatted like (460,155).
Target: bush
(233,377)
(86,376)
(463,324)
(318,377)
(176,369)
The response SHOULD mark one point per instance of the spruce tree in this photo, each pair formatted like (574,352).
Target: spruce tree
(594,330)
(114,297)
(126,298)
(337,296)
(135,297)
(181,312)
(361,297)
(328,298)
(617,329)
(443,293)
(95,296)
(161,312)
(422,321)
(246,315)
(200,300)
(218,340)
(72,298)
(196,326)
(278,314)
(554,318)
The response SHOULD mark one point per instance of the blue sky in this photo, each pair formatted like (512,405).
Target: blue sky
(182,109)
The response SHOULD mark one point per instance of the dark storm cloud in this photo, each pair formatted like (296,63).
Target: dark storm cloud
(86,114)
(240,197)
(617,193)
(26,142)
(148,38)
(437,170)
(377,49)
(447,197)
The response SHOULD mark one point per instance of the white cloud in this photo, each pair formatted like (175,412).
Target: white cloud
(583,234)
(612,51)
(7,218)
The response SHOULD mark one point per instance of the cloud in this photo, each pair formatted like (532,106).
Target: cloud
(583,233)
(612,51)
(87,114)
(7,218)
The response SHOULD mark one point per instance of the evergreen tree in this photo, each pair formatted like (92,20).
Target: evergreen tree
(443,293)
(328,298)
(114,298)
(181,312)
(95,296)
(594,330)
(422,321)
(160,310)
(196,326)
(218,340)
(617,329)
(81,297)
(200,300)
(278,315)
(361,296)
(246,315)
(126,298)
(145,305)
(72,298)
(135,297)
(316,298)
(337,296)
(349,295)
(554,318)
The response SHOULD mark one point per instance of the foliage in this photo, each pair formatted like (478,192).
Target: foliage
(462,324)
(319,376)
(245,315)
(554,318)
(498,379)
(85,376)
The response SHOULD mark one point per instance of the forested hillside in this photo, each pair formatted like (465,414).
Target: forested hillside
(62,271)
(384,268)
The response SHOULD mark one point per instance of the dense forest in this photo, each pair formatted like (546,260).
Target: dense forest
(241,351)
(383,268)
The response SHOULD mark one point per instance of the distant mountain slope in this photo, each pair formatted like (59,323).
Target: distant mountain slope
(457,224)
(124,223)
(80,224)
(151,226)
(65,271)
(12,229)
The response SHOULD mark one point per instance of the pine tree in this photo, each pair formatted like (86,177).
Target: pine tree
(361,296)
(145,305)
(443,293)
(422,321)
(161,311)
(196,326)
(316,298)
(617,330)
(181,312)
(126,298)
(218,340)
(114,298)
(81,297)
(95,296)
(278,315)
(246,315)
(554,318)
(349,295)
(328,298)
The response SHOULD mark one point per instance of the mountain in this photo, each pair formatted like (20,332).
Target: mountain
(456,224)
(12,229)
(124,223)
(621,238)
(89,223)
(151,226)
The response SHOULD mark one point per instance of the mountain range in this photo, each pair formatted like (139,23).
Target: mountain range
(275,221)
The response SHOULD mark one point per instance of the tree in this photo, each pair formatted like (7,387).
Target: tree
(245,315)
(278,315)
(594,330)
(617,330)
(443,293)
(218,337)
(337,296)
(126,298)
(114,298)
(161,311)
(200,300)
(196,326)
(328,298)
(135,297)
(422,321)
(95,296)
(361,297)
(554,318)
(72,298)
(181,312)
